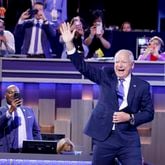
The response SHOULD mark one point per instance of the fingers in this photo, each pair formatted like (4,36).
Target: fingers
(115,118)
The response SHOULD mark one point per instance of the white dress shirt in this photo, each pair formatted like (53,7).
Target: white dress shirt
(39,47)
(22,127)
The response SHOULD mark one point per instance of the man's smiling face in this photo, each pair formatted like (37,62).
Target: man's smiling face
(123,64)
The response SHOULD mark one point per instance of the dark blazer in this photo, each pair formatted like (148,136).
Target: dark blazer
(9,130)
(140,104)
(23,34)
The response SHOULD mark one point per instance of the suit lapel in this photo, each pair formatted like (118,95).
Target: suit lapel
(114,82)
(131,90)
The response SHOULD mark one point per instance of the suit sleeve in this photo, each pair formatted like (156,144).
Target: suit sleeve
(146,113)
(36,130)
(3,118)
(92,73)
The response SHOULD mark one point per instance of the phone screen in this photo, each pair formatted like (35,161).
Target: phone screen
(32,12)
(99,27)
(17,95)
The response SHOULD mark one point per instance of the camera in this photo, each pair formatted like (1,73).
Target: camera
(17,96)
(32,12)
(1,33)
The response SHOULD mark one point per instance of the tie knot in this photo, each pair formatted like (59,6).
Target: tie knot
(121,81)
(38,24)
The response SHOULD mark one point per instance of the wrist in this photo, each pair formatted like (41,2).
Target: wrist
(91,36)
(69,45)
(45,21)
(10,111)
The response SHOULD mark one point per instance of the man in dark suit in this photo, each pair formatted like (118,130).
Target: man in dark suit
(112,126)
(34,35)
(17,122)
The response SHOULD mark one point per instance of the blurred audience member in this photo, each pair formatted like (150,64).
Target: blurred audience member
(126,26)
(2,12)
(34,35)
(78,40)
(97,40)
(65,145)
(153,52)
(56,11)
(7,41)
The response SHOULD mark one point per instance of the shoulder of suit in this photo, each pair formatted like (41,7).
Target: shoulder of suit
(139,80)
(107,69)
(3,108)
(26,108)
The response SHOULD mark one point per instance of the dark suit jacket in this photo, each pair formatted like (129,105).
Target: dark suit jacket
(9,130)
(139,99)
(23,34)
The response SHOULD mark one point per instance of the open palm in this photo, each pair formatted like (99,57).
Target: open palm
(66,33)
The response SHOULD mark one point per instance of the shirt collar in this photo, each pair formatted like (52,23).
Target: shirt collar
(36,21)
(127,79)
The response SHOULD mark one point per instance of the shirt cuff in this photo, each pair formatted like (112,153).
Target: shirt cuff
(8,114)
(70,52)
(20,21)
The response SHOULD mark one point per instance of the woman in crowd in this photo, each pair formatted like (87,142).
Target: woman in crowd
(77,25)
(97,39)
(126,27)
(153,51)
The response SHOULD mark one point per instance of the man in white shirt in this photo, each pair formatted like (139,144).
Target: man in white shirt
(7,41)
(113,126)
(34,33)
(17,122)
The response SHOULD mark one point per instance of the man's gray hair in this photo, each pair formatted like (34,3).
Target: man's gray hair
(125,51)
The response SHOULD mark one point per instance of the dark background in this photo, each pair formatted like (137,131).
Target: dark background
(143,14)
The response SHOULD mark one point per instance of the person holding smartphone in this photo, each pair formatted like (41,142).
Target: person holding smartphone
(97,38)
(77,24)
(17,122)
(34,34)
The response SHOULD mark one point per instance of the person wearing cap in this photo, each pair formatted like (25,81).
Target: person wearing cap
(65,145)
(153,51)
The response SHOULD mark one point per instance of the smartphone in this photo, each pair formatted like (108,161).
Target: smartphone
(99,27)
(32,12)
(17,95)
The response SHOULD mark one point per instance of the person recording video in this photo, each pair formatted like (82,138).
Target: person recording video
(34,33)
(7,41)
(17,122)
(97,38)
(77,24)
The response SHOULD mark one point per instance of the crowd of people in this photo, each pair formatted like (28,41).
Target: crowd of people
(126,100)
(36,33)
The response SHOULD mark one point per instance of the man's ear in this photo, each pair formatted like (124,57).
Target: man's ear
(133,64)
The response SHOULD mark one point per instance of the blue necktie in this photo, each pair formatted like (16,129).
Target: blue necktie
(36,37)
(120,92)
